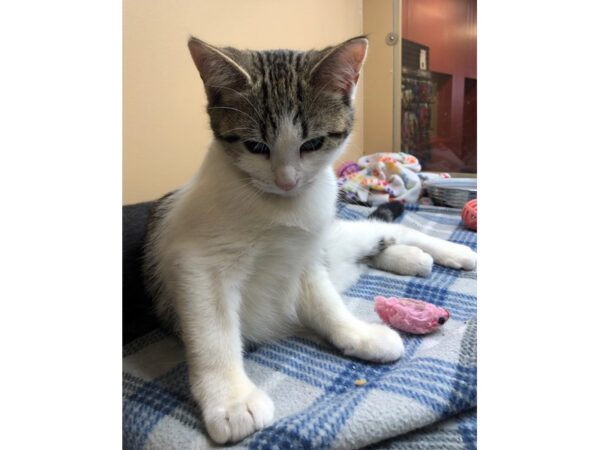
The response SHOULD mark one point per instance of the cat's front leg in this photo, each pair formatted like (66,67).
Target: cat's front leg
(322,309)
(232,406)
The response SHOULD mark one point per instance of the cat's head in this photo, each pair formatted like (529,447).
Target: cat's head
(283,116)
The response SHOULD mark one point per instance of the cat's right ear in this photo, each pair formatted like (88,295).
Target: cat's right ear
(339,66)
(217,67)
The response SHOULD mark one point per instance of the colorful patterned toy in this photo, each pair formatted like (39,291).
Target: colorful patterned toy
(410,315)
(381,177)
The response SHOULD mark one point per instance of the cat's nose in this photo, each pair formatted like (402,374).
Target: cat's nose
(285,178)
(286,186)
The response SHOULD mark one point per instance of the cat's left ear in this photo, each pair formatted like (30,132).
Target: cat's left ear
(218,67)
(339,67)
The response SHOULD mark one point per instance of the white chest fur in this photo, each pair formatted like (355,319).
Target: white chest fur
(260,243)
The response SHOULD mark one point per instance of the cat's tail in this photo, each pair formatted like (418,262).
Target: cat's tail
(388,212)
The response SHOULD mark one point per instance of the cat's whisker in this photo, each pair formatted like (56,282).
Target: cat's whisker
(252,194)
(237,129)
(329,109)
(242,95)
(234,109)
(315,97)
(250,197)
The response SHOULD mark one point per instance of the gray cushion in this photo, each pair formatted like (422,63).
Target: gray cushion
(138,318)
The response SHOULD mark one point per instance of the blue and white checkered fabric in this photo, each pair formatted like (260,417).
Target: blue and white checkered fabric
(425,400)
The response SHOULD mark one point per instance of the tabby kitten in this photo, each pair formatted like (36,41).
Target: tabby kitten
(250,249)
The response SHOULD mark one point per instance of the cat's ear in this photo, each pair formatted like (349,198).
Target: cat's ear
(218,67)
(339,66)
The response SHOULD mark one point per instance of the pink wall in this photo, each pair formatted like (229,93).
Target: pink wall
(449,29)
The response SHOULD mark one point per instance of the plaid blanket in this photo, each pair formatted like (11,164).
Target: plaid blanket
(425,400)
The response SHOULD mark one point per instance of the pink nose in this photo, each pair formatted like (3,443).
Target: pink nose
(287,186)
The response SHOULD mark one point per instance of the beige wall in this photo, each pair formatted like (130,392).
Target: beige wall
(165,127)
(378,77)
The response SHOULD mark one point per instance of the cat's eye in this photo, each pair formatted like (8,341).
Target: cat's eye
(258,148)
(312,145)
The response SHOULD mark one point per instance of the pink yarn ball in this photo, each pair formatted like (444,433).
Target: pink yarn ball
(469,214)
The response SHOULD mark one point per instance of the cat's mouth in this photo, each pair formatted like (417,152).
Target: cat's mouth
(269,188)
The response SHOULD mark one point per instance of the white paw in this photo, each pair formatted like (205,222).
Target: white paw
(373,342)
(238,418)
(405,260)
(456,256)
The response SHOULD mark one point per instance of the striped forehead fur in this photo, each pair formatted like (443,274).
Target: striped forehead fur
(278,87)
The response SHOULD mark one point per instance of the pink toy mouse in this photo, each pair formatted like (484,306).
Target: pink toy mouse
(410,315)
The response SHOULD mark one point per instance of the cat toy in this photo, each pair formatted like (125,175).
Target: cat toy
(410,315)
(469,214)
